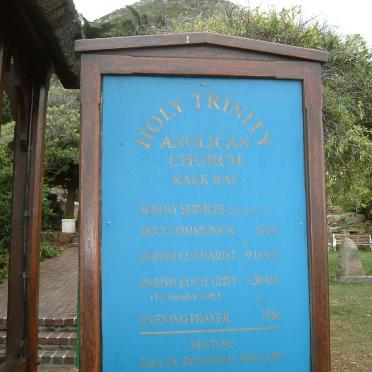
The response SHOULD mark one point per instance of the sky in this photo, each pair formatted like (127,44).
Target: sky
(348,17)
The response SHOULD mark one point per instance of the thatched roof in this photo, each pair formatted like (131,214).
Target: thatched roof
(49,27)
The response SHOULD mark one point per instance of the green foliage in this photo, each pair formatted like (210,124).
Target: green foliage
(49,251)
(286,26)
(62,139)
(7,115)
(62,134)
(348,119)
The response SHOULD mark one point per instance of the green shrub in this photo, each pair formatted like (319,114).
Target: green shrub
(48,251)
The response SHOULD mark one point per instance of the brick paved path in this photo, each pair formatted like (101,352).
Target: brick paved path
(58,286)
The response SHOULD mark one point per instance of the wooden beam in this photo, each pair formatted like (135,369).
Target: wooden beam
(317,232)
(16,322)
(199,38)
(24,261)
(35,187)
(12,363)
(89,278)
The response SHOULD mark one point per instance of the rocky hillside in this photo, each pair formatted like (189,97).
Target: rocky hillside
(342,222)
(151,16)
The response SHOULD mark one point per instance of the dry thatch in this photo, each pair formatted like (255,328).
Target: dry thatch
(60,24)
(44,30)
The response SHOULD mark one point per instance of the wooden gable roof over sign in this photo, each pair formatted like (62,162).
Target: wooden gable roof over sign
(199,40)
(43,32)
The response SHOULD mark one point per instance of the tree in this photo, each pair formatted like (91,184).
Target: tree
(348,119)
(62,141)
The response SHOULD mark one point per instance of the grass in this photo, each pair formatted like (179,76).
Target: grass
(351,320)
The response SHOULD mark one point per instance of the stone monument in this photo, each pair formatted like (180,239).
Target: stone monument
(348,262)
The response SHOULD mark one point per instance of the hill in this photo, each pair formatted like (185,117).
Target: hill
(151,17)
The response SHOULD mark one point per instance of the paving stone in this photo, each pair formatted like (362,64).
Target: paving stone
(57,311)
(58,287)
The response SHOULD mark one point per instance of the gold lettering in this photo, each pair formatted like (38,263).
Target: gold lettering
(211,344)
(217,143)
(267,230)
(261,255)
(249,117)
(150,363)
(224,281)
(172,163)
(153,231)
(266,139)
(165,115)
(192,282)
(258,125)
(166,143)
(213,101)
(191,180)
(176,104)
(243,143)
(236,108)
(163,282)
(209,360)
(227,104)
(189,256)
(176,180)
(147,135)
(224,179)
(271,315)
(158,209)
(205,160)
(141,142)
(259,280)
(144,144)
(157,119)
(197,99)
(195,230)
(156,123)
(209,318)
(261,358)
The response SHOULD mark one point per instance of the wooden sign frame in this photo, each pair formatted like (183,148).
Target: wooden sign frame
(206,55)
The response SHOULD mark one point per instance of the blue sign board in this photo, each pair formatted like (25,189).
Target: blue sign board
(204,231)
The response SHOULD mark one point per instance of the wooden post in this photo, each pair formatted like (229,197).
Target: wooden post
(15,355)
(24,259)
(35,187)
